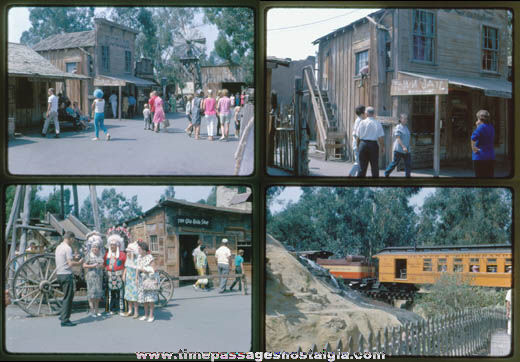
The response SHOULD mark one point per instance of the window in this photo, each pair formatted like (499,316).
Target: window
(427,265)
(72,67)
(361,60)
(128,61)
(423,32)
(442,265)
(242,189)
(105,57)
(489,48)
(457,265)
(491,266)
(509,266)
(388,51)
(474,266)
(154,244)
(423,111)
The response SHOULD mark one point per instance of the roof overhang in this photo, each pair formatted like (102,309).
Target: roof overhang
(500,88)
(121,80)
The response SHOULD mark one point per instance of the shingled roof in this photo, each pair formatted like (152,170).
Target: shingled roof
(67,40)
(23,61)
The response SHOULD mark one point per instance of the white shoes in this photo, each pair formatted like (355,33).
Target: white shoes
(143,318)
(95,139)
(108,136)
(150,320)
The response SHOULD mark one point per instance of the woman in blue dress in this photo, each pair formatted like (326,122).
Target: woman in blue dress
(483,146)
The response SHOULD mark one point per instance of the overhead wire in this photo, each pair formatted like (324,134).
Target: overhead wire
(314,22)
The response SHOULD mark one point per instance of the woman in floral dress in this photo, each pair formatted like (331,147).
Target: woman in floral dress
(130,279)
(93,266)
(145,270)
(158,116)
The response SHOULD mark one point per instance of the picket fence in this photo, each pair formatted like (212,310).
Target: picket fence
(463,333)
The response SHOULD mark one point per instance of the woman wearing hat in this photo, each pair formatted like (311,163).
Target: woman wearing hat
(98,108)
(115,264)
(93,266)
(130,279)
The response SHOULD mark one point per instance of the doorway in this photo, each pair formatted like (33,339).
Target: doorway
(187,243)
(400,268)
(460,115)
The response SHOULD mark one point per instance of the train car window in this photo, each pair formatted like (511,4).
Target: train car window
(492,266)
(457,265)
(427,265)
(400,268)
(509,266)
(474,266)
(442,266)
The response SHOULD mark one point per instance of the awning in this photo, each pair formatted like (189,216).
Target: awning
(492,87)
(121,80)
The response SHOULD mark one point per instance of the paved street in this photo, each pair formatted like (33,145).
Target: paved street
(131,151)
(195,320)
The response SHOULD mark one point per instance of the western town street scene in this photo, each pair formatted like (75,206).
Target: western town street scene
(129,269)
(130,91)
(389,92)
(394,270)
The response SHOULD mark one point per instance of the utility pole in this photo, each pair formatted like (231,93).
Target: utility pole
(62,203)
(95,210)
(76,202)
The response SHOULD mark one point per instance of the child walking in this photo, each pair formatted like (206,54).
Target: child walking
(98,107)
(147,117)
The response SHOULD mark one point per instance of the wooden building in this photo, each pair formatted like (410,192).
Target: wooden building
(230,77)
(29,78)
(173,227)
(106,54)
(411,55)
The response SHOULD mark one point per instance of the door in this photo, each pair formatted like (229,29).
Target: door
(460,115)
(187,243)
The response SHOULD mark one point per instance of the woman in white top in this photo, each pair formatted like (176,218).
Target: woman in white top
(98,107)
(189,104)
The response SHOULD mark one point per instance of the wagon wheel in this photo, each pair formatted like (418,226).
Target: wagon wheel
(165,288)
(35,286)
(13,265)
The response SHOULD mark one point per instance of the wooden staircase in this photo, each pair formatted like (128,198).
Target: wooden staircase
(330,139)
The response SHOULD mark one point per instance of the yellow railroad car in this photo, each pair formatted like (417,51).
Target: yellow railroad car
(349,268)
(482,265)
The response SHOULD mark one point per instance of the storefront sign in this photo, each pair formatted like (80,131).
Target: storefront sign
(200,222)
(418,86)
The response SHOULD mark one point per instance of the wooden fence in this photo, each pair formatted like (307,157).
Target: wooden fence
(464,333)
(284,141)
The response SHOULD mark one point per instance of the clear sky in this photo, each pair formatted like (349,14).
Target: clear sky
(18,22)
(291,31)
(147,196)
(292,194)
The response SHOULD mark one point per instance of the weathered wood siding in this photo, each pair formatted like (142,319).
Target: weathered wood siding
(458,42)
(118,40)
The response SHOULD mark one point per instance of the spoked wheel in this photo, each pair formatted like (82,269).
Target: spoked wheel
(35,286)
(165,289)
(13,265)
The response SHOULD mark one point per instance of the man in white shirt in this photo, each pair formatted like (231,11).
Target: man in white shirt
(113,101)
(360,113)
(52,114)
(223,256)
(64,264)
(370,137)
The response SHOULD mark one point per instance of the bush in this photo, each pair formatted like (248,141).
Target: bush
(452,293)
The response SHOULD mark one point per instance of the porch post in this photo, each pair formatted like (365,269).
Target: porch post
(119,103)
(437,138)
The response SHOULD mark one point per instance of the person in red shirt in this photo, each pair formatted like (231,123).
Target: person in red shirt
(115,265)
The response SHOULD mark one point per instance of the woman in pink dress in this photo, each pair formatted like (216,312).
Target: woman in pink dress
(158,116)
(210,112)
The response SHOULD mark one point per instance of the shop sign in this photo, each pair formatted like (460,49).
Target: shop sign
(200,222)
(421,86)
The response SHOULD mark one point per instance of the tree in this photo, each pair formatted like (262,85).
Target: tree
(235,41)
(114,208)
(168,194)
(47,21)
(456,216)
(212,197)
(346,220)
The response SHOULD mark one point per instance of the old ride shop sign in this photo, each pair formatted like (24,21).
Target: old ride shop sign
(193,221)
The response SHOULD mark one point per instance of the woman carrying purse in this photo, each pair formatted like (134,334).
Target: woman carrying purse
(148,285)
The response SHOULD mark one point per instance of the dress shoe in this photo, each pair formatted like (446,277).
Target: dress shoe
(68,324)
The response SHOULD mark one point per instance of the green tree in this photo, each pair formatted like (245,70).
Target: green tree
(235,41)
(212,197)
(456,216)
(168,194)
(47,21)
(114,208)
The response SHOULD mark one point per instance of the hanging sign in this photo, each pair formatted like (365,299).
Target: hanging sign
(418,86)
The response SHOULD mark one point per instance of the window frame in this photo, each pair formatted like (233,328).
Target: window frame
(433,37)
(128,61)
(71,63)
(483,49)
(427,265)
(154,240)
(356,65)
(105,58)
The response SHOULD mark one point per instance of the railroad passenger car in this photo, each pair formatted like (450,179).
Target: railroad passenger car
(351,268)
(483,265)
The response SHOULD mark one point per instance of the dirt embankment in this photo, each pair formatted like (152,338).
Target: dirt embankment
(302,311)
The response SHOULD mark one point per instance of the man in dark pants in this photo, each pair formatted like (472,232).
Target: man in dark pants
(370,136)
(64,264)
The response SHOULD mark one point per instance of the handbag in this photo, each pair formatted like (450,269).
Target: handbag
(166,123)
(151,283)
